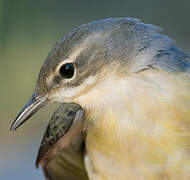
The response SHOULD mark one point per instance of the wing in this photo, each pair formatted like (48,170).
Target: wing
(62,147)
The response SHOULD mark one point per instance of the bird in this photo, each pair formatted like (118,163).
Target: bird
(133,86)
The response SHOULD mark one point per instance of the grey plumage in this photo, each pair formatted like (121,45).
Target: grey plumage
(125,43)
(133,44)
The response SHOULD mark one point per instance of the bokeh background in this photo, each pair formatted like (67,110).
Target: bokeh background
(28,30)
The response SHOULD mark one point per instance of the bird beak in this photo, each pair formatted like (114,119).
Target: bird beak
(32,106)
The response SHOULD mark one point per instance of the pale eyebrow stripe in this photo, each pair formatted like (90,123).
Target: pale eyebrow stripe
(76,53)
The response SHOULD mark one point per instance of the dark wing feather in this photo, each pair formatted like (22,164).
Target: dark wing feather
(62,147)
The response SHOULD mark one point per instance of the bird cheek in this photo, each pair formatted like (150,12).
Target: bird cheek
(60,95)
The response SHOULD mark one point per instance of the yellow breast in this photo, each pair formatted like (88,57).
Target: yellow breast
(145,135)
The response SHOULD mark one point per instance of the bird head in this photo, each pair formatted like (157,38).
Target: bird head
(86,64)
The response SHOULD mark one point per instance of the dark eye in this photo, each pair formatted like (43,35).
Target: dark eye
(67,70)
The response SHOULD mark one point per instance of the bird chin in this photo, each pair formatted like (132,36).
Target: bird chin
(59,97)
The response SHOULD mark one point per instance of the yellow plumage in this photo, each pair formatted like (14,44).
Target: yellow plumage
(134,86)
(146,134)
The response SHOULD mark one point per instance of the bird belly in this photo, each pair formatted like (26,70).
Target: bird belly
(107,161)
(110,161)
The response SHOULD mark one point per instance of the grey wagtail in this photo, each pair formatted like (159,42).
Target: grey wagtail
(133,87)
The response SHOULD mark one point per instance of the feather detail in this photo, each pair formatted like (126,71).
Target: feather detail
(145,135)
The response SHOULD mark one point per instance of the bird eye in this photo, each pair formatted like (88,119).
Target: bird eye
(67,70)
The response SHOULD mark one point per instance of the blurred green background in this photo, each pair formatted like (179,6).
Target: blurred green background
(28,30)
